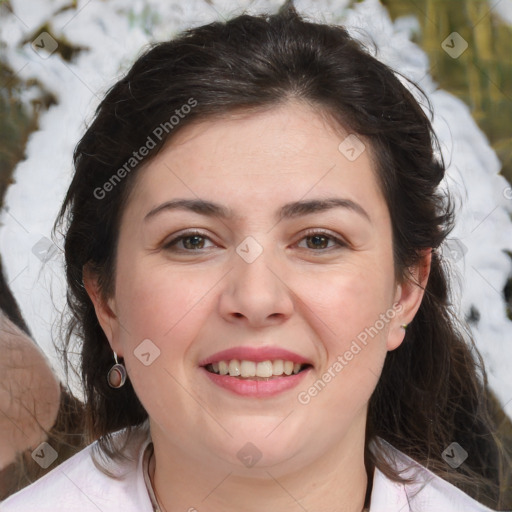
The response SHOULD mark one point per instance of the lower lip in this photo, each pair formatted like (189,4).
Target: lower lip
(256,388)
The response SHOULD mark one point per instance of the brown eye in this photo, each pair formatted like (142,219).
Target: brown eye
(319,241)
(191,241)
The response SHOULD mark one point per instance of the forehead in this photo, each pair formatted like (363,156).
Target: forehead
(255,161)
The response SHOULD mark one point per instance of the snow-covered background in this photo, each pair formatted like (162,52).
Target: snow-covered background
(113,32)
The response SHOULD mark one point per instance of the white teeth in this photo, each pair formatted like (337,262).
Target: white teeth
(234,368)
(265,369)
(288,367)
(223,368)
(248,369)
(278,367)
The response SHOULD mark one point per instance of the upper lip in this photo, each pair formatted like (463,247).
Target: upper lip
(256,354)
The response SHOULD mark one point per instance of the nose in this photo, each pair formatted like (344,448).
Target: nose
(257,293)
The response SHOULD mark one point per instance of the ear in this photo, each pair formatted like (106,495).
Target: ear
(408,296)
(105,308)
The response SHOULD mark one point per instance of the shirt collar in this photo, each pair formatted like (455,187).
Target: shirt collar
(426,493)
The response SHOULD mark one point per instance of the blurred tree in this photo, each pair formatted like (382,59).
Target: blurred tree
(482,75)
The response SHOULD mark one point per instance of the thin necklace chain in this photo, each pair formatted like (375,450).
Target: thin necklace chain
(148,459)
(153,496)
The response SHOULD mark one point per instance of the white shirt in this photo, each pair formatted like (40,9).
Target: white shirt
(77,485)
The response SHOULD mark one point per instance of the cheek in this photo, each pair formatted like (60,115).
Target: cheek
(348,322)
(168,308)
(350,312)
(347,301)
(160,304)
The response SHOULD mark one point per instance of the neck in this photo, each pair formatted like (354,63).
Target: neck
(335,480)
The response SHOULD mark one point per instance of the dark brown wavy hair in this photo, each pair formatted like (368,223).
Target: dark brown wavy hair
(433,388)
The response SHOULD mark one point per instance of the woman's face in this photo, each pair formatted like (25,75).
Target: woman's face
(281,250)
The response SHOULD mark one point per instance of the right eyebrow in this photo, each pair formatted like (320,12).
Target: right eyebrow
(199,206)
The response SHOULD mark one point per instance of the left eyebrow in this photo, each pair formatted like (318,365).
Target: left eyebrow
(299,208)
(288,211)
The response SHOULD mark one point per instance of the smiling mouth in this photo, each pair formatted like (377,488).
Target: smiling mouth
(263,370)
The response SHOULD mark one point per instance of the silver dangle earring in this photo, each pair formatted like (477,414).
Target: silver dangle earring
(116,376)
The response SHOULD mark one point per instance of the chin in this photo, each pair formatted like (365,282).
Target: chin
(257,448)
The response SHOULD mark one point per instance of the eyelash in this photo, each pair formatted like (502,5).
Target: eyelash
(309,234)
